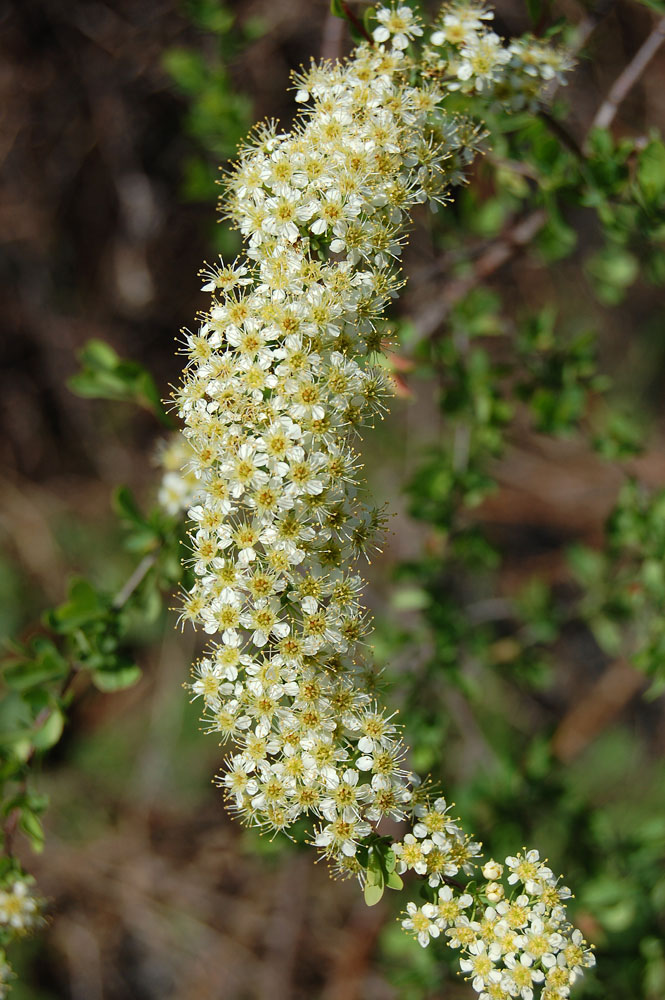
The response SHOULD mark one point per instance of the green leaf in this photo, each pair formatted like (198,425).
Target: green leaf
(651,170)
(535,9)
(336,9)
(31,826)
(211,16)
(48,734)
(373,894)
(15,719)
(84,606)
(105,375)
(556,239)
(109,680)
(394,881)
(612,270)
(608,634)
(127,508)
(186,68)
(49,666)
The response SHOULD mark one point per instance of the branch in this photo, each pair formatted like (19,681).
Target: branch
(631,74)
(599,707)
(565,137)
(134,580)
(10,825)
(509,244)
(356,22)
(589,23)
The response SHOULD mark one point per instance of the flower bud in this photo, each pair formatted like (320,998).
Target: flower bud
(494,892)
(492,870)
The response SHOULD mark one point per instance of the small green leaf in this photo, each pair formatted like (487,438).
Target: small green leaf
(612,270)
(15,719)
(84,606)
(373,894)
(105,375)
(374,876)
(31,826)
(651,170)
(186,68)
(44,669)
(535,9)
(394,881)
(116,680)
(50,731)
(126,506)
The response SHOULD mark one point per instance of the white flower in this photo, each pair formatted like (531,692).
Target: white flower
(399,25)
(19,909)
(421,922)
(521,976)
(478,964)
(412,853)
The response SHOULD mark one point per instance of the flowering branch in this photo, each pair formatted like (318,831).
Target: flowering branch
(279,380)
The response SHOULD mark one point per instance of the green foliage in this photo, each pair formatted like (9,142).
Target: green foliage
(104,375)
(624,585)
(85,639)
(218,113)
(378,863)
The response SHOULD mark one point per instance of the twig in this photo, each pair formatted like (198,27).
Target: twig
(590,715)
(589,23)
(561,132)
(514,239)
(356,22)
(631,74)
(10,825)
(134,580)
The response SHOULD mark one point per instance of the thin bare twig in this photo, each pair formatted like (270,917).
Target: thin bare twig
(559,130)
(356,22)
(590,715)
(134,580)
(509,244)
(588,24)
(629,77)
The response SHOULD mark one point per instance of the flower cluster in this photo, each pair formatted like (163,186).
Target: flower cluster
(177,489)
(513,937)
(474,59)
(281,375)
(278,382)
(437,847)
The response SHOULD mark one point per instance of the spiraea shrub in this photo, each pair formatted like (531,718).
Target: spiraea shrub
(289,368)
